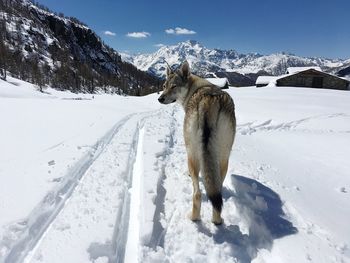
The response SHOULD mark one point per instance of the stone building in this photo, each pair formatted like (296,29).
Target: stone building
(310,77)
(313,78)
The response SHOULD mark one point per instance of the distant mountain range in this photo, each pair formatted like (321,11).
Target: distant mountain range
(240,69)
(46,48)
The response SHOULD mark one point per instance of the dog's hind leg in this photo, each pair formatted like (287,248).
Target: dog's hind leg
(217,220)
(193,167)
(223,169)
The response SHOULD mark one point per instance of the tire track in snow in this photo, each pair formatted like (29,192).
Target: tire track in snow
(33,228)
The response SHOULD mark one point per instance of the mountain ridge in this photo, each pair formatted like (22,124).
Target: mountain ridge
(227,63)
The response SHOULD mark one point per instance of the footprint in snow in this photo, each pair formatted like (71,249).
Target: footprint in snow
(57,179)
(343,190)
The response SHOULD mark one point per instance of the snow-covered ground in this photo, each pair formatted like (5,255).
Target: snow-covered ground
(105,179)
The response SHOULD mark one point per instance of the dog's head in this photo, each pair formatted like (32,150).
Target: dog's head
(175,86)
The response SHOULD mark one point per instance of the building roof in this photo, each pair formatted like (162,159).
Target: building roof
(220,82)
(293,70)
(265,80)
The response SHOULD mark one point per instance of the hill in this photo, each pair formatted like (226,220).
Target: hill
(45,48)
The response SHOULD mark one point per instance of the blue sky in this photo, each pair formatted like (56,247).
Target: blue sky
(302,27)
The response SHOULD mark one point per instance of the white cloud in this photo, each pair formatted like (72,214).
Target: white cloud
(180,31)
(170,31)
(142,34)
(109,33)
(159,45)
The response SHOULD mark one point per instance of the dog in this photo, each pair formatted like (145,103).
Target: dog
(209,132)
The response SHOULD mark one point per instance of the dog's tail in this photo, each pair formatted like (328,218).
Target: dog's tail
(209,162)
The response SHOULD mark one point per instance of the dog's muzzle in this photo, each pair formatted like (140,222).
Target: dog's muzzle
(161,99)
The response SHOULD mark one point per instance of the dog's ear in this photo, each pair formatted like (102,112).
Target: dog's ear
(185,70)
(168,71)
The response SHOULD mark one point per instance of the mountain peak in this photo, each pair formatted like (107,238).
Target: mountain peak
(192,42)
(189,44)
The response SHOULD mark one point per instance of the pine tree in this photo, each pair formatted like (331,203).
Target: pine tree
(3,59)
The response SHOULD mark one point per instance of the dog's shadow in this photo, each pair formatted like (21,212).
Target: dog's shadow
(261,208)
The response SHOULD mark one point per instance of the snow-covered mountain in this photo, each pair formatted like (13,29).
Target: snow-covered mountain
(344,70)
(206,61)
(45,48)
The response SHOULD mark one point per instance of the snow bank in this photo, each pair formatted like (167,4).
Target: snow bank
(265,80)
(220,82)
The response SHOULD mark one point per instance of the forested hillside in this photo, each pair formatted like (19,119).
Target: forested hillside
(45,48)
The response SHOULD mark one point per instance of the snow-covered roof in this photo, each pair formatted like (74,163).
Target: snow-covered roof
(293,70)
(220,82)
(262,80)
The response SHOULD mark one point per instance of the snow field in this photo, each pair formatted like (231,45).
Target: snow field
(126,193)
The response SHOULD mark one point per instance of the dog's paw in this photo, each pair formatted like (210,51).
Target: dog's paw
(217,221)
(194,218)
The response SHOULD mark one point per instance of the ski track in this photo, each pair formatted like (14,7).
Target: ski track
(132,244)
(23,236)
(252,127)
(51,221)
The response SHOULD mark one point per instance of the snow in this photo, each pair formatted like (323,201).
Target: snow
(100,180)
(220,82)
(265,80)
(293,70)
(15,88)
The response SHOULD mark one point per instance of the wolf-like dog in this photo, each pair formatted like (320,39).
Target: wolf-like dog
(209,132)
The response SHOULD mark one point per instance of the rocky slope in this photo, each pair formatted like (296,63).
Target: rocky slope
(44,48)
